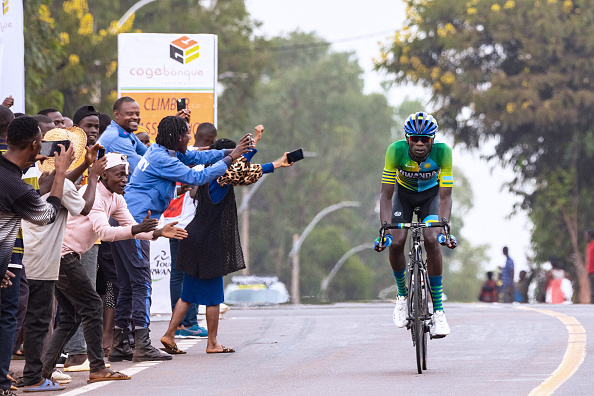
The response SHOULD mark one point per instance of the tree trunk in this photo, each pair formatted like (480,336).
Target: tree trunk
(581,270)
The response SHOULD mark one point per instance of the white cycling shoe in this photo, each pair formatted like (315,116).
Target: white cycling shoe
(439,325)
(399,315)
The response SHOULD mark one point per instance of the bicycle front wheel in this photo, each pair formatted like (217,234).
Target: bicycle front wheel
(419,320)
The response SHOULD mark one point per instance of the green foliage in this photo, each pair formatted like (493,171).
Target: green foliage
(463,276)
(519,72)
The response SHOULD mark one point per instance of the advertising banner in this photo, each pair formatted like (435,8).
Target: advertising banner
(157,69)
(160,271)
(12,54)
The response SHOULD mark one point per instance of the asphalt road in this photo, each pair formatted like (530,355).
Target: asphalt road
(355,349)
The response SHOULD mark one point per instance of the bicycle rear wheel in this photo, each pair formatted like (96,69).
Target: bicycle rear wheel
(419,320)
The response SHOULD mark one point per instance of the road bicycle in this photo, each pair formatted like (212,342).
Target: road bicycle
(418,312)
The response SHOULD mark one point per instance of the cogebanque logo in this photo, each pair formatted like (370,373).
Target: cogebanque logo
(184,50)
(4,6)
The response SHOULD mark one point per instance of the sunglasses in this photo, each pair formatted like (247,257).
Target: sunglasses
(420,138)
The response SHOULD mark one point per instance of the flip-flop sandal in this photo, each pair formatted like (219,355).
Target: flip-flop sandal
(46,386)
(225,350)
(171,349)
(111,376)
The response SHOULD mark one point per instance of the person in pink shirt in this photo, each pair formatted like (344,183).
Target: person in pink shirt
(590,236)
(79,302)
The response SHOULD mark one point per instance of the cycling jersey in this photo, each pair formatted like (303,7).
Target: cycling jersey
(435,170)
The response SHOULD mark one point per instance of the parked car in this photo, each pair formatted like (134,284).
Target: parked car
(256,290)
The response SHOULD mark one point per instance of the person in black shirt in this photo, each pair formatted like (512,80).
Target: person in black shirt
(18,200)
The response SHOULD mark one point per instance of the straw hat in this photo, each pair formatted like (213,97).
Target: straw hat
(78,139)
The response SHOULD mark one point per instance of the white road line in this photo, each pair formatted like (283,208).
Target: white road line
(184,344)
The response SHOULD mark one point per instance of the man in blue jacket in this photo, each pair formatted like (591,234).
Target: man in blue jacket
(151,188)
(119,135)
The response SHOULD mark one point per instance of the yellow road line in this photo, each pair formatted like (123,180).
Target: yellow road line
(574,354)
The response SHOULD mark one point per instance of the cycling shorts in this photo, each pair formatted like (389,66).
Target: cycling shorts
(405,201)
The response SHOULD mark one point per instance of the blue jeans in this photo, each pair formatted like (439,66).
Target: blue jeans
(9,307)
(176,280)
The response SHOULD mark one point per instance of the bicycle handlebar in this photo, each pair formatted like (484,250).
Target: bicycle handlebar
(414,225)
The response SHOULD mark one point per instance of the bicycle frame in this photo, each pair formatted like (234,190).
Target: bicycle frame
(419,316)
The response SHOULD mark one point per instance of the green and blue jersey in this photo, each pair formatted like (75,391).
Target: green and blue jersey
(400,168)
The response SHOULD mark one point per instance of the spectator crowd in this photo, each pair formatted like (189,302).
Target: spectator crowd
(80,199)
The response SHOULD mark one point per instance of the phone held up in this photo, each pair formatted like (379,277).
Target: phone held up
(101,153)
(295,156)
(49,149)
(181,104)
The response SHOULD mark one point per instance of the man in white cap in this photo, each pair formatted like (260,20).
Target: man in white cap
(78,299)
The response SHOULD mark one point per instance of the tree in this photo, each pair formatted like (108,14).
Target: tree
(518,72)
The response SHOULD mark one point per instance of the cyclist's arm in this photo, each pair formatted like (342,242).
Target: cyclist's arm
(386,194)
(445,207)
(445,202)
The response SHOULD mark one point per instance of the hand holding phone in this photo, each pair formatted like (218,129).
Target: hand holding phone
(181,104)
(49,149)
(295,156)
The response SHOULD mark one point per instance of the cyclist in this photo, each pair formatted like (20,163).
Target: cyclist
(418,173)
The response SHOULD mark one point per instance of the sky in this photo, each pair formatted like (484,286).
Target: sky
(350,26)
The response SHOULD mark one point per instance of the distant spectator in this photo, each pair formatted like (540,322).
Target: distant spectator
(144,138)
(591,263)
(87,119)
(68,122)
(507,278)
(559,288)
(489,291)
(55,116)
(104,121)
(45,123)
(521,294)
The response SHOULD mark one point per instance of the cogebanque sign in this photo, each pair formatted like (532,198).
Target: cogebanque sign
(157,69)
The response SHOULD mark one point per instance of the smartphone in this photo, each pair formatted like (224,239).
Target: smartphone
(181,104)
(295,156)
(49,148)
(101,153)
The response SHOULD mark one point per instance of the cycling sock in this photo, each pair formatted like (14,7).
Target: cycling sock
(401,282)
(435,283)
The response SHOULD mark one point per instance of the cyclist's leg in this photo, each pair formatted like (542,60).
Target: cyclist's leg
(430,212)
(401,213)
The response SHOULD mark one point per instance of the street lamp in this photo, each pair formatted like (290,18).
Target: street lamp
(129,13)
(324,286)
(298,241)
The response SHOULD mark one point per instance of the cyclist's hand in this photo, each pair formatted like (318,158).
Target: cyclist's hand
(387,242)
(451,243)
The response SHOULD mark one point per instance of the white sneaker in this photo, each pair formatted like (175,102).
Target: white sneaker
(439,324)
(399,315)
(60,377)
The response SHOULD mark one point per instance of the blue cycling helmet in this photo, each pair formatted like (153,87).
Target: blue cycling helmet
(420,123)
